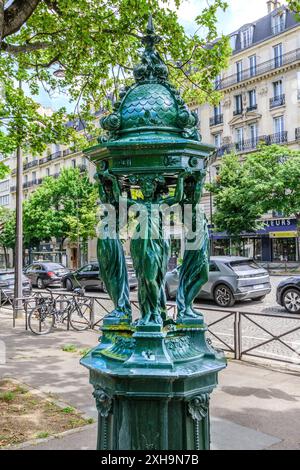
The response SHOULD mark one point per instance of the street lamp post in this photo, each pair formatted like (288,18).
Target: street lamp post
(18,293)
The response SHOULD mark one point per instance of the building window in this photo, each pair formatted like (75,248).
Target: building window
(298,85)
(278,95)
(238,104)
(247,37)
(233,39)
(278,124)
(239,132)
(253,131)
(239,71)
(47,171)
(252,65)
(218,80)
(4,200)
(73,163)
(277,54)
(4,186)
(34,176)
(252,100)
(57,169)
(277,88)
(278,22)
(217,140)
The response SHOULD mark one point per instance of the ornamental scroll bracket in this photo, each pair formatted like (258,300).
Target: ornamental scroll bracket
(198,407)
(103,402)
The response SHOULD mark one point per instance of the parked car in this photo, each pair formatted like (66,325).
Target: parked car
(45,274)
(88,277)
(7,285)
(288,294)
(231,278)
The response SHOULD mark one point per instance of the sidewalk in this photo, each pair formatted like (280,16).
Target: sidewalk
(253,407)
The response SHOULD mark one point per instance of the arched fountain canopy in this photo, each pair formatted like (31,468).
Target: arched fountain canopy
(151,129)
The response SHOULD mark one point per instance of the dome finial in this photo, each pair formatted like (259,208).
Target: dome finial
(150,38)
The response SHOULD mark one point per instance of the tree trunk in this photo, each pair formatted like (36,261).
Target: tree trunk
(5,257)
(1,19)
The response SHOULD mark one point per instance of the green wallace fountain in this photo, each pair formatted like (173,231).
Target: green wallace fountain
(152,375)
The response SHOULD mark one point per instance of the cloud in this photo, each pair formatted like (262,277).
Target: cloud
(239,12)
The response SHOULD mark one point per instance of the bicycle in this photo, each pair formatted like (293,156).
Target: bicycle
(49,312)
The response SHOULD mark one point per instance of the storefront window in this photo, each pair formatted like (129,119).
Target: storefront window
(221,247)
(248,247)
(284,249)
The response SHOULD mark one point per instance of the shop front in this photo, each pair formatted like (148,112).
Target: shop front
(276,242)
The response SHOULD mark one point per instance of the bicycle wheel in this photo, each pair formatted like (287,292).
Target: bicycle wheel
(80,316)
(40,320)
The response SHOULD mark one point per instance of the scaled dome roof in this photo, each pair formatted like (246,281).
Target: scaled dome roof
(152,103)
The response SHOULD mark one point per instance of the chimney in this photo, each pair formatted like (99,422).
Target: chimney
(273,5)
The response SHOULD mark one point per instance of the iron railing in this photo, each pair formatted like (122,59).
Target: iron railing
(260,69)
(252,107)
(215,120)
(277,101)
(241,334)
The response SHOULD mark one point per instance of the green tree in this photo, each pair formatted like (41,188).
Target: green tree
(95,43)
(7,231)
(63,208)
(244,190)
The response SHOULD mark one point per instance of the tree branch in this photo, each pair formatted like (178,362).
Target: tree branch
(13,49)
(17,14)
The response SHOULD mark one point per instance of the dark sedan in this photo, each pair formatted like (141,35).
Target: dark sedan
(88,277)
(45,274)
(7,285)
(288,294)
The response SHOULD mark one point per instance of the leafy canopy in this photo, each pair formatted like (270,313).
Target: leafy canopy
(64,207)
(244,191)
(95,44)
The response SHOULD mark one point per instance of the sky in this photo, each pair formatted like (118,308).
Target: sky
(239,13)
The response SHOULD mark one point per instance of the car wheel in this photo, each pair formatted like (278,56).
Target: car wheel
(69,285)
(40,283)
(223,296)
(291,300)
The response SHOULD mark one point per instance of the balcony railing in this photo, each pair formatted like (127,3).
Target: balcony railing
(252,107)
(262,68)
(277,101)
(215,120)
(237,112)
(252,144)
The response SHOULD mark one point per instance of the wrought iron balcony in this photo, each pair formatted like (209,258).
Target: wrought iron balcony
(215,120)
(277,101)
(264,67)
(278,138)
(252,107)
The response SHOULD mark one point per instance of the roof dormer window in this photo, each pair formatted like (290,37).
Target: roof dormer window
(278,22)
(233,39)
(246,36)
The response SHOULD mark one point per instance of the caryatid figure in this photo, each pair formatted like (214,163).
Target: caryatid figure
(110,253)
(193,272)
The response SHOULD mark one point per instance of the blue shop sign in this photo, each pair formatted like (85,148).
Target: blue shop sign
(271,225)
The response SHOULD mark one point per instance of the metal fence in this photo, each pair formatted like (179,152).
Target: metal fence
(268,336)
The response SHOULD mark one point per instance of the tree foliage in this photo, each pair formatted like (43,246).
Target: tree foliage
(267,180)
(62,208)
(95,43)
